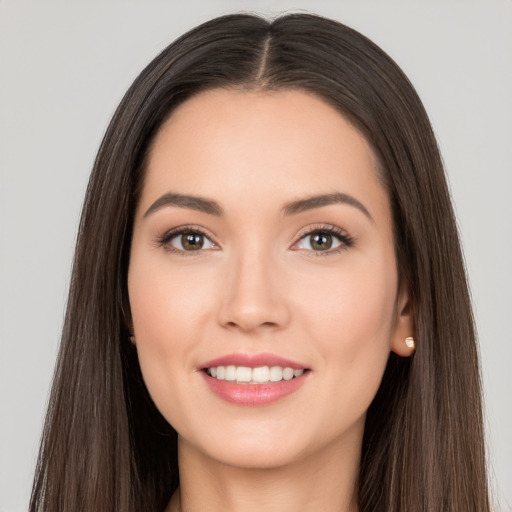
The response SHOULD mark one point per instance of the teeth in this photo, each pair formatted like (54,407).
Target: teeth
(288,373)
(230,372)
(276,374)
(243,374)
(261,374)
(258,375)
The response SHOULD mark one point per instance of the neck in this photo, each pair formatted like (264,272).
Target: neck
(324,481)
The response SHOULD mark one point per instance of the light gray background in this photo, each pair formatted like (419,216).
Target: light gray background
(64,67)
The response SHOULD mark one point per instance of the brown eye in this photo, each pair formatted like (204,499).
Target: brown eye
(192,242)
(320,241)
(187,241)
(324,241)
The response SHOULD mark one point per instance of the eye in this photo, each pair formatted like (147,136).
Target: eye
(186,239)
(328,239)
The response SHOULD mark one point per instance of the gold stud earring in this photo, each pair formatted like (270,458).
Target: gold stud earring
(410,342)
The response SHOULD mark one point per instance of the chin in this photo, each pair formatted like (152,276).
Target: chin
(257,444)
(242,455)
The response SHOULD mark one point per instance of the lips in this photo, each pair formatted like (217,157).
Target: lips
(253,379)
(253,361)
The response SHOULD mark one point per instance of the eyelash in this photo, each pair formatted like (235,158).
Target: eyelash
(346,240)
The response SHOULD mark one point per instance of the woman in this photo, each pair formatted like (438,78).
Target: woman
(210,360)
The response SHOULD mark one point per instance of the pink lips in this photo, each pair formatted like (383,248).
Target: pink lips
(253,394)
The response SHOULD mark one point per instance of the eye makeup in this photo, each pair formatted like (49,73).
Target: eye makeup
(194,237)
(346,241)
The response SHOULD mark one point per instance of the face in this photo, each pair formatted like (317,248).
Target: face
(262,281)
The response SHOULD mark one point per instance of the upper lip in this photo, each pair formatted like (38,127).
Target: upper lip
(253,361)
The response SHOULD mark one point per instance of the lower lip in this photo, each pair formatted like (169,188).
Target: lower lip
(253,394)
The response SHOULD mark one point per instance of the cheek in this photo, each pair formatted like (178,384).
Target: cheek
(354,304)
(167,307)
(351,323)
(165,303)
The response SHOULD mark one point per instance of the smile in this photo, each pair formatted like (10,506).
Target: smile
(253,379)
(255,376)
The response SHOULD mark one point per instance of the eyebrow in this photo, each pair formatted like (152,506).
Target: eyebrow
(211,207)
(200,204)
(318,201)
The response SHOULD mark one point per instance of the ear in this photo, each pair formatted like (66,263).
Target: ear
(404,324)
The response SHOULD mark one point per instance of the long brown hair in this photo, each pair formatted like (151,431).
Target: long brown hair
(105,446)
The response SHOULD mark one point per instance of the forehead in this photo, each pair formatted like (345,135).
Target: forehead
(257,147)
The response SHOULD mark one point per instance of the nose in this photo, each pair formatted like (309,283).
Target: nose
(255,294)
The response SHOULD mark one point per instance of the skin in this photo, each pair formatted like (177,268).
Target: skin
(257,286)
